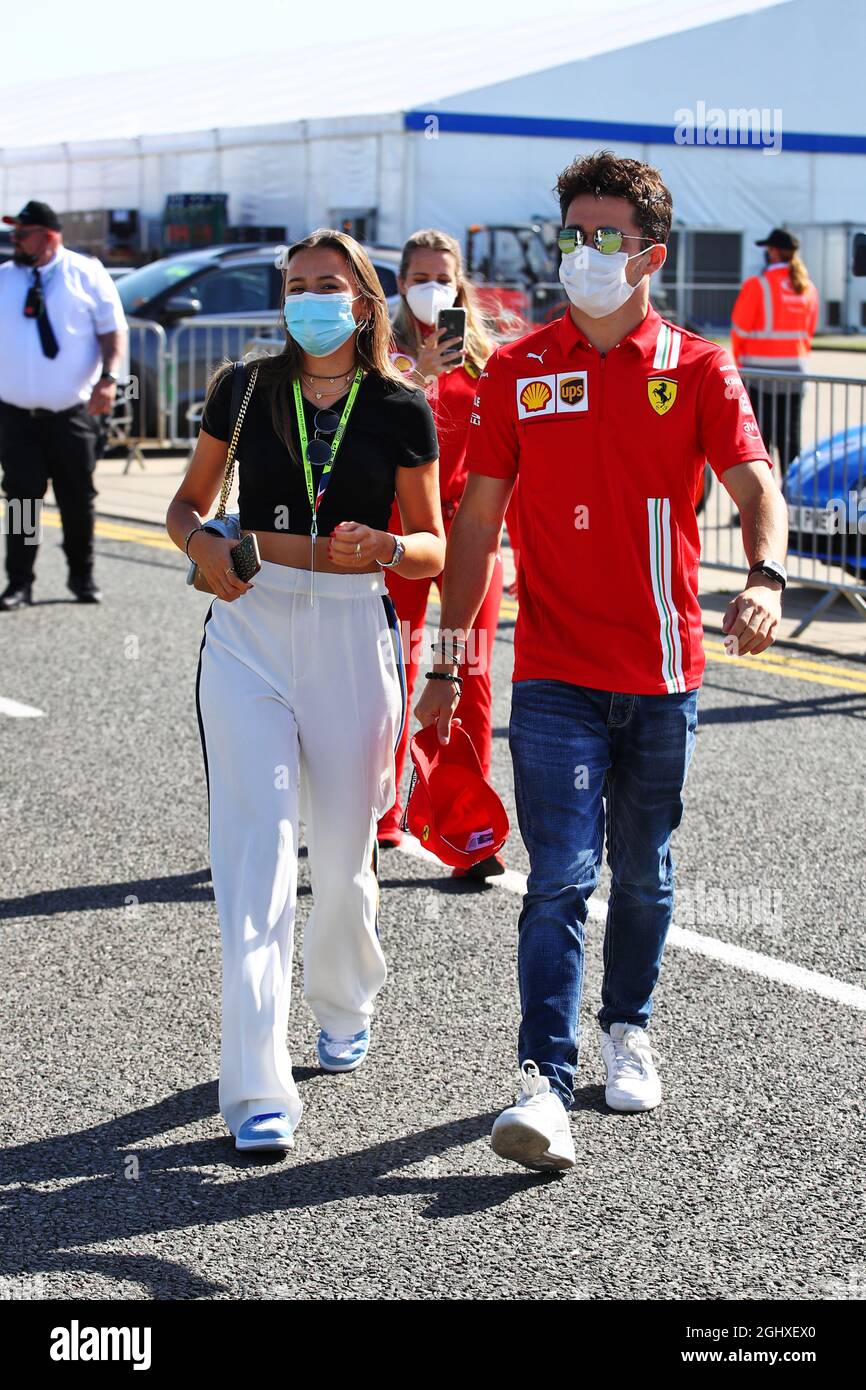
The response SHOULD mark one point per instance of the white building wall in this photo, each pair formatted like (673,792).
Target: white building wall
(805,57)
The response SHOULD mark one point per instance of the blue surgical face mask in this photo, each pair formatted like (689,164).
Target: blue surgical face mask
(320,323)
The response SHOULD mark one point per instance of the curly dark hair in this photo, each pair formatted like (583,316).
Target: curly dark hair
(604,174)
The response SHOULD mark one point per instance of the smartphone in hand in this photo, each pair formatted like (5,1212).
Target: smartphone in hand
(246,558)
(453,321)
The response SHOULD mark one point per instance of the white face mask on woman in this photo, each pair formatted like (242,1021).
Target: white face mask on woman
(596,283)
(427,299)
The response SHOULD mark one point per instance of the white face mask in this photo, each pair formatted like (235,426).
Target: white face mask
(427,299)
(596,284)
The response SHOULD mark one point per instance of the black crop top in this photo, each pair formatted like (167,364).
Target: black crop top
(391,426)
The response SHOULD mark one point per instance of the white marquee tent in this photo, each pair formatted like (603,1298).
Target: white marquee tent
(294,136)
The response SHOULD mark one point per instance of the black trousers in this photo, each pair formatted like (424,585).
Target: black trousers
(778,415)
(33,449)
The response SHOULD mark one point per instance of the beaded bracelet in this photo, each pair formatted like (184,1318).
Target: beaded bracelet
(444,676)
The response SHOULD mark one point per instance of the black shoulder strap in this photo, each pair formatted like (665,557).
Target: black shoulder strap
(239,386)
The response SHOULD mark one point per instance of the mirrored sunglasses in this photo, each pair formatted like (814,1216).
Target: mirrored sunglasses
(607,240)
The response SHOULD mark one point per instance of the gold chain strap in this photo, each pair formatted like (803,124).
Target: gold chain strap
(230,456)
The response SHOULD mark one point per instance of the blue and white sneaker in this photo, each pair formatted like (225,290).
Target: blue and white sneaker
(272,1131)
(342,1054)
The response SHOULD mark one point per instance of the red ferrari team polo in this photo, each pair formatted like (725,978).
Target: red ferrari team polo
(610,451)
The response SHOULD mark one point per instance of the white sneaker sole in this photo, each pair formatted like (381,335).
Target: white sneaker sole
(338,1067)
(631,1106)
(521,1143)
(275,1145)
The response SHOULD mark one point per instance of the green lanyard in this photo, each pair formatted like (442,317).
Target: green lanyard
(317,495)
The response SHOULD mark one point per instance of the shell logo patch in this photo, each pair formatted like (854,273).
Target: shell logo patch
(536,396)
(403,362)
(662,393)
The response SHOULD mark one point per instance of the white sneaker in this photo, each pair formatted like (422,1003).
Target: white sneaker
(535,1131)
(632,1080)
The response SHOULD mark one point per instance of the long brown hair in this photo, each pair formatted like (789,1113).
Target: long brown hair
(797,270)
(278,371)
(407,334)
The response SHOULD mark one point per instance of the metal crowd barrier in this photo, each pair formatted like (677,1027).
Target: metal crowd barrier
(815,430)
(139,415)
(198,346)
(163,381)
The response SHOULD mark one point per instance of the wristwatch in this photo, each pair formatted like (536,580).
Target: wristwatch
(109,376)
(773,570)
(399,552)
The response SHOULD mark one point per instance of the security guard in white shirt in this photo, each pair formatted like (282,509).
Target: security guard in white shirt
(62,341)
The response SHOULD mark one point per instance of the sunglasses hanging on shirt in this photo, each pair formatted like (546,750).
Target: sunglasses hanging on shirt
(320,451)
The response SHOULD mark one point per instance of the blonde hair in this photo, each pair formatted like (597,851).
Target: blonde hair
(407,334)
(797,270)
(373,339)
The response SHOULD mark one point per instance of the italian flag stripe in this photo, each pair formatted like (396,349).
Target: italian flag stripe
(659,519)
(667,348)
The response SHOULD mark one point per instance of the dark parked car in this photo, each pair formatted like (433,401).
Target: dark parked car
(223,282)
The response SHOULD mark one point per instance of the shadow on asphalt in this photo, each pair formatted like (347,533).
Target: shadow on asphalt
(194,887)
(175,888)
(853,705)
(177,1188)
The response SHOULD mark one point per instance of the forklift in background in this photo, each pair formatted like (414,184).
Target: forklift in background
(514,268)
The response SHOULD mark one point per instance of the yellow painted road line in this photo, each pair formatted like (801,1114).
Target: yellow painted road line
(120,531)
(774,657)
(787,674)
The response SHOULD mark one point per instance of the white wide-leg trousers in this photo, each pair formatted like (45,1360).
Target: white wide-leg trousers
(287,690)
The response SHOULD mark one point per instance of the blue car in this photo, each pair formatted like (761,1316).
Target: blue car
(825,490)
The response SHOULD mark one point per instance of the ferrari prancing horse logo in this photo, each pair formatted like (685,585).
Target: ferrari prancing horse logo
(662,393)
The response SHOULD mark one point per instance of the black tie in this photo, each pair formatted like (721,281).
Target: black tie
(43,323)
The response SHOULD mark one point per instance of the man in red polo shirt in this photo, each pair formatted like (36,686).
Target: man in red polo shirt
(607,416)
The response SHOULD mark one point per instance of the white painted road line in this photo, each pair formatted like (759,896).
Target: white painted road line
(16,711)
(752,962)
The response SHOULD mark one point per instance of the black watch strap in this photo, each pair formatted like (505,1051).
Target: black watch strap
(773,570)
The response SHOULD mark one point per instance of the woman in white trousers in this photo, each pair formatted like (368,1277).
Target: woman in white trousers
(300,691)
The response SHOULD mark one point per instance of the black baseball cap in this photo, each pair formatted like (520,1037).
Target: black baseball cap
(782,240)
(35,214)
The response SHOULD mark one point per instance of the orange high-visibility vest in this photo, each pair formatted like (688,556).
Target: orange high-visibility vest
(771,325)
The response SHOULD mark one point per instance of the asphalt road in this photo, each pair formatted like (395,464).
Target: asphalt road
(117,1178)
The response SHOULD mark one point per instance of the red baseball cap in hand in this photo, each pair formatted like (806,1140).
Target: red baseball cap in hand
(452,809)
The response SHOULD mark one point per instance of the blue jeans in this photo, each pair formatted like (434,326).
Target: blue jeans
(575,749)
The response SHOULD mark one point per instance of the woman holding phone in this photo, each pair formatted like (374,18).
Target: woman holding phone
(300,670)
(431,281)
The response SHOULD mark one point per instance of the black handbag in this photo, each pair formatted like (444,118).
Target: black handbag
(223,523)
